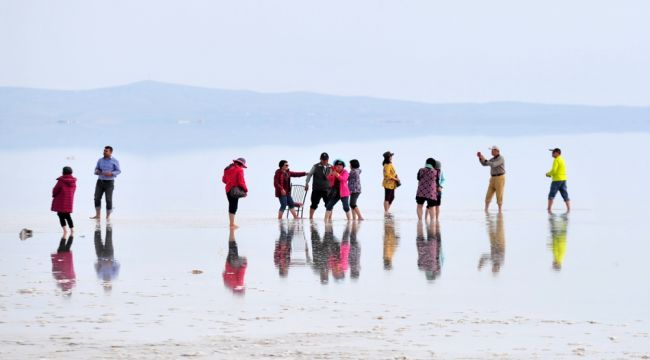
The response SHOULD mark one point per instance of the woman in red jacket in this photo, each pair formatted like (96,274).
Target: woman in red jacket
(63,199)
(233,177)
(282,184)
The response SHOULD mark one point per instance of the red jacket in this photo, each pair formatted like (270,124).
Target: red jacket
(63,194)
(233,276)
(233,175)
(282,181)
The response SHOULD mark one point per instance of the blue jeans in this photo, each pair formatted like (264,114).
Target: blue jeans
(558,186)
(344,200)
(285,201)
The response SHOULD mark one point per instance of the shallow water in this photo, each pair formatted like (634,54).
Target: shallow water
(521,283)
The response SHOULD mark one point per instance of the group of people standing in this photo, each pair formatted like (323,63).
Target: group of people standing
(332,183)
(107,169)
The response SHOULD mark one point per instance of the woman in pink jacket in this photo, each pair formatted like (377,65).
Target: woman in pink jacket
(63,199)
(339,190)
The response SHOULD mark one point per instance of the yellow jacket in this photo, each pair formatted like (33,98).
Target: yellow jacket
(390,177)
(558,171)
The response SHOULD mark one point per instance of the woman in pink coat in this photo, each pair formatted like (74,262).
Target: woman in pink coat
(339,189)
(63,199)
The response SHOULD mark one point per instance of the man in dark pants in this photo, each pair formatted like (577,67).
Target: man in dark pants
(107,169)
(321,185)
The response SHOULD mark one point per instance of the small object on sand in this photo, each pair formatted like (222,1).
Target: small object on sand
(196,272)
(25,234)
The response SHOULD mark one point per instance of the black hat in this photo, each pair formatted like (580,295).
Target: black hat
(324,156)
(557,150)
(388,154)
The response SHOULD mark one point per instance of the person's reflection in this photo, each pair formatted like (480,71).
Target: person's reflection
(391,240)
(343,262)
(495,229)
(558,225)
(63,266)
(326,254)
(235,268)
(429,249)
(282,252)
(355,252)
(107,267)
(319,254)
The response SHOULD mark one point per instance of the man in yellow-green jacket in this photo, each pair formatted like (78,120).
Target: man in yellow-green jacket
(558,180)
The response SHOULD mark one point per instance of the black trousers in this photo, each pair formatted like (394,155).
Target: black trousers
(316,195)
(63,217)
(233,203)
(104,186)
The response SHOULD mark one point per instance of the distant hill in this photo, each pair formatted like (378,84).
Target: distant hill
(152,115)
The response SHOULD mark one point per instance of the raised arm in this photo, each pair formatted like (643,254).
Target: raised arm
(297,173)
(496,162)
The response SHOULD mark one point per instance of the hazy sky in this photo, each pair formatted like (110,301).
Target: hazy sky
(585,52)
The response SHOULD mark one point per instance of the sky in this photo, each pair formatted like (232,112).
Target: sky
(579,52)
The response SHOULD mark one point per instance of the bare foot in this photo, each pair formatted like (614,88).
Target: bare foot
(233,226)
(96,217)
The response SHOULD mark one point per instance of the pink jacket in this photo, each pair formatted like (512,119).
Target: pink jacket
(344,190)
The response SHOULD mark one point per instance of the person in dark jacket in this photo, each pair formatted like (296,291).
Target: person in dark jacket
(233,177)
(63,199)
(321,184)
(282,185)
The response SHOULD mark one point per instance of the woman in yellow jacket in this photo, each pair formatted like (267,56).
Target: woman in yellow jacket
(391,180)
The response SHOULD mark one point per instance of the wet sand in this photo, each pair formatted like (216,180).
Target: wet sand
(520,285)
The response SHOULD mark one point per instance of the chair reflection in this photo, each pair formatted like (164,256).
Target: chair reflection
(429,249)
(235,267)
(289,250)
(558,225)
(496,233)
(106,267)
(63,266)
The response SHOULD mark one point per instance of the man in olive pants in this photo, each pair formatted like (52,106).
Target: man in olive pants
(498,176)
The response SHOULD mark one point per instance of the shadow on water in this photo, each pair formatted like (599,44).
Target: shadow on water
(63,266)
(391,241)
(106,267)
(558,225)
(235,268)
(429,249)
(497,236)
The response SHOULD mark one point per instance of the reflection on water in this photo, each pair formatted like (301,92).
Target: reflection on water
(235,268)
(329,255)
(391,240)
(287,252)
(558,225)
(107,267)
(354,259)
(63,266)
(429,249)
(496,233)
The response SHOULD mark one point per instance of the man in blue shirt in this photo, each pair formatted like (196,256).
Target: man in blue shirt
(107,169)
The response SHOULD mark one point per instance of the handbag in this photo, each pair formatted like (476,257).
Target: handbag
(237,192)
(398,183)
